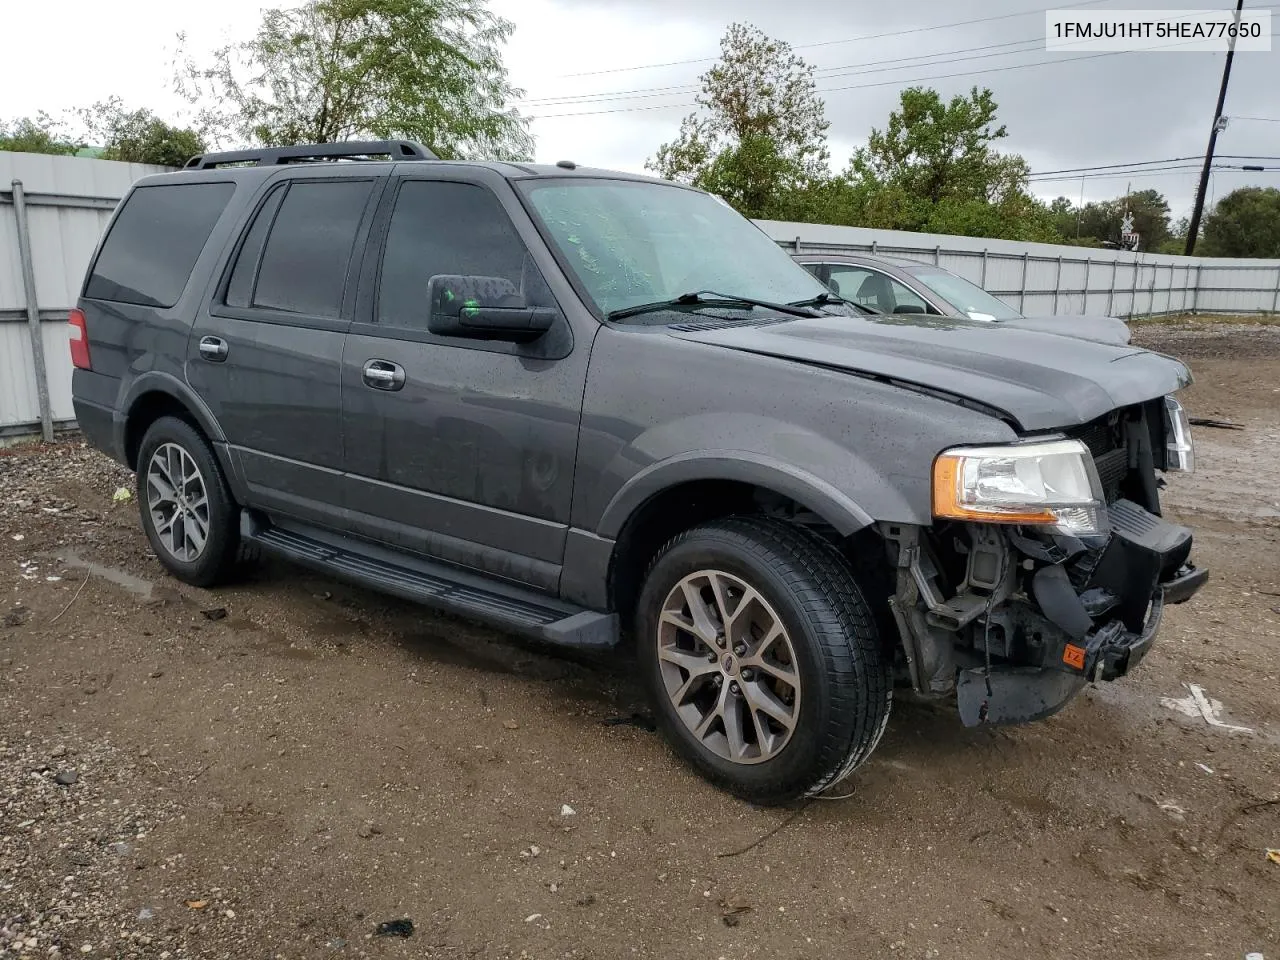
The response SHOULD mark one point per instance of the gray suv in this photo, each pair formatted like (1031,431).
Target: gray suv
(608,413)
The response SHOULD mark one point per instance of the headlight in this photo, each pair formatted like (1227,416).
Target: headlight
(1052,484)
(1179,454)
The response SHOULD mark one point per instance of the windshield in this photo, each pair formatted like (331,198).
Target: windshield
(968,298)
(632,243)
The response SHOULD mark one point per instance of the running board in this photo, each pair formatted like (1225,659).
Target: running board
(438,585)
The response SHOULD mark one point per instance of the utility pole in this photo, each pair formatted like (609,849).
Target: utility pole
(1218,124)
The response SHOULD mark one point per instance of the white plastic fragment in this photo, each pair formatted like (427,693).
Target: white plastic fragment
(1198,705)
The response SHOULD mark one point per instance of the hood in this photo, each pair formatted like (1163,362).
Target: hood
(1037,380)
(1101,329)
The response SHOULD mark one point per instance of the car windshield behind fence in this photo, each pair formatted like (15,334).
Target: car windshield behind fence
(632,243)
(966,297)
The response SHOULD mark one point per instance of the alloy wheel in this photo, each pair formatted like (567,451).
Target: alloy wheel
(178,502)
(729,666)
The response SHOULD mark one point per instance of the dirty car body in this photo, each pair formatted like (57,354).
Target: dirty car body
(607,412)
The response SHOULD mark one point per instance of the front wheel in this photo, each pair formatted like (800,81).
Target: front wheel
(762,658)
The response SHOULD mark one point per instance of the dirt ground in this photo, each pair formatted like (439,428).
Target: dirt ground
(273,769)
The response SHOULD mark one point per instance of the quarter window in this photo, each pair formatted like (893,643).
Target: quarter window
(154,242)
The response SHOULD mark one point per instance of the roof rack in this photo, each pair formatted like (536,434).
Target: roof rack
(311,152)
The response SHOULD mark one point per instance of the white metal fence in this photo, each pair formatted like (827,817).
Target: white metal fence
(53,210)
(1043,279)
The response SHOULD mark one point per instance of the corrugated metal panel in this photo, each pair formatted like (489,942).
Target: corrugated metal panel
(62,240)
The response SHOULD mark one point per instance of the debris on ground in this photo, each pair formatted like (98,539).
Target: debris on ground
(1200,706)
(65,778)
(1273,855)
(214,613)
(196,904)
(395,928)
(1216,424)
(567,811)
(731,911)
(641,720)
(511,724)
(122,495)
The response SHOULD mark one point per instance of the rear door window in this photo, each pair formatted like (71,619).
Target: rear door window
(154,243)
(307,254)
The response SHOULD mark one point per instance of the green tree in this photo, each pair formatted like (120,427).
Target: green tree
(333,70)
(759,137)
(139,136)
(41,135)
(934,168)
(1100,221)
(1244,223)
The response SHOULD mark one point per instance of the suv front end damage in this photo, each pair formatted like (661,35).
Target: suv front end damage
(1048,565)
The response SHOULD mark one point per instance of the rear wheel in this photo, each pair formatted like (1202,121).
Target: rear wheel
(187,510)
(762,658)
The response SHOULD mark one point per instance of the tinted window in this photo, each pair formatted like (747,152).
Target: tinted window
(441,228)
(154,242)
(304,265)
(240,288)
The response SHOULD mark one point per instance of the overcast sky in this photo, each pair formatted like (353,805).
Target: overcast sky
(1060,114)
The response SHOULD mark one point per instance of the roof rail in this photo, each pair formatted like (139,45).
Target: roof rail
(309,152)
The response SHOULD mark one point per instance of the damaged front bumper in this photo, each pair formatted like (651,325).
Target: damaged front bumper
(1016,621)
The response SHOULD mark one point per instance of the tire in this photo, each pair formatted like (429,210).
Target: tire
(209,509)
(837,691)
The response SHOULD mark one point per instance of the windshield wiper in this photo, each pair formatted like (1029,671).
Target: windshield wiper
(824,298)
(709,298)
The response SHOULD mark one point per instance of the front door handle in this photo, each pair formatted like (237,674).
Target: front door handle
(383,375)
(214,349)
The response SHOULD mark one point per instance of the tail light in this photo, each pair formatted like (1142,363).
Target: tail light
(79,341)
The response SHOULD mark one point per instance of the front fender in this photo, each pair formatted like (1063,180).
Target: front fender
(804,488)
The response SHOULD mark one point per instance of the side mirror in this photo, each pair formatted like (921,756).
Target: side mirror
(908,308)
(483,308)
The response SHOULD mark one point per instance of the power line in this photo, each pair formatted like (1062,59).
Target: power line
(1184,170)
(857,86)
(1142,163)
(1258,119)
(647,93)
(827,73)
(830,43)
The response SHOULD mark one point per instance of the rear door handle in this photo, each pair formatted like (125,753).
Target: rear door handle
(214,349)
(383,375)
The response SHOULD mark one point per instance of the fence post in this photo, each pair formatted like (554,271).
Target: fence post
(1275,300)
(873,248)
(1084,302)
(1195,291)
(33,309)
(1111,292)
(1057,285)
(1133,294)
(983,282)
(1022,294)
(937,255)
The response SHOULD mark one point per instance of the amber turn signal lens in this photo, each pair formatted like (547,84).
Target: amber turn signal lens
(948,504)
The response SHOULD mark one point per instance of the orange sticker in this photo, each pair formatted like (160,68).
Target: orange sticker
(1073,656)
